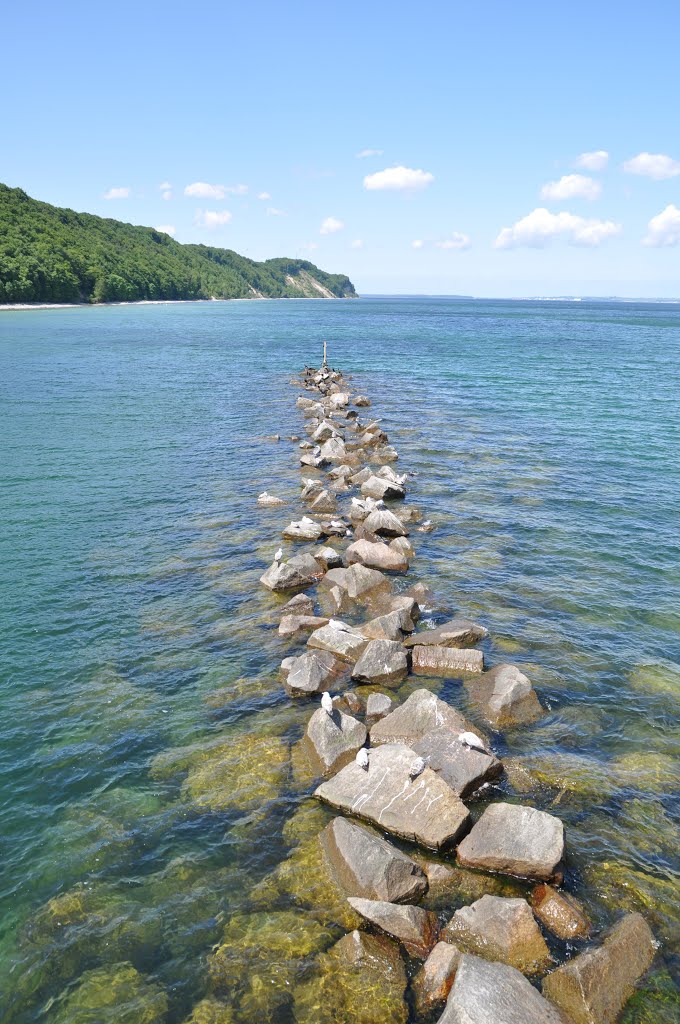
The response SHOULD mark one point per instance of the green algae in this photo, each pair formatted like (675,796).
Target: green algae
(571,777)
(660,678)
(625,888)
(211,1011)
(241,691)
(117,994)
(648,771)
(450,886)
(243,774)
(657,1002)
(309,820)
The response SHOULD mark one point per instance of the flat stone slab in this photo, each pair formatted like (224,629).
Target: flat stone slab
(423,712)
(423,809)
(414,927)
(594,987)
(463,768)
(515,840)
(447,662)
(378,487)
(432,984)
(500,928)
(491,993)
(455,633)
(367,865)
(333,740)
(383,663)
(560,913)
(505,697)
(339,639)
(376,556)
(312,672)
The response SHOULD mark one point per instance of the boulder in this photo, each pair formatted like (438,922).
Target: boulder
(463,768)
(338,638)
(310,489)
(414,927)
(498,928)
(385,453)
(333,450)
(385,523)
(312,672)
(391,626)
(515,840)
(423,809)
(362,402)
(447,662)
(269,500)
(367,865)
(433,982)
(403,546)
(376,556)
(357,479)
(404,602)
(505,697)
(377,706)
(295,574)
(560,913)
(484,992)
(301,604)
(378,487)
(455,633)
(324,432)
(333,740)
(329,557)
(303,529)
(313,461)
(339,400)
(421,713)
(382,663)
(290,625)
(594,986)
(356,580)
(323,502)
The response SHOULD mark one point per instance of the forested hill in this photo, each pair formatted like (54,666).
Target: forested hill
(49,254)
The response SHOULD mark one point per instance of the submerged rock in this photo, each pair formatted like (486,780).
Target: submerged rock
(455,633)
(312,672)
(491,993)
(515,840)
(505,697)
(415,928)
(117,994)
(376,556)
(447,662)
(594,987)
(333,740)
(367,865)
(560,913)
(243,773)
(211,1011)
(383,663)
(498,928)
(433,982)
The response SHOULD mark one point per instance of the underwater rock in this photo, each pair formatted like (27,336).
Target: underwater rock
(379,488)
(377,706)
(423,808)
(491,993)
(117,994)
(337,638)
(211,1011)
(242,774)
(384,523)
(505,697)
(312,672)
(560,913)
(383,663)
(333,740)
(376,556)
(455,633)
(656,1002)
(291,625)
(307,821)
(447,662)
(594,986)
(414,927)
(498,928)
(463,768)
(432,984)
(647,771)
(367,865)
(627,889)
(515,840)
(421,713)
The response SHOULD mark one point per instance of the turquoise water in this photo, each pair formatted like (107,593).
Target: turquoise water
(545,439)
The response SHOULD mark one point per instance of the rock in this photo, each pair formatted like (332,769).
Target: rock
(290,625)
(498,928)
(421,713)
(391,626)
(416,928)
(312,672)
(594,987)
(357,479)
(515,840)
(323,502)
(423,809)
(303,529)
(362,402)
(433,982)
(404,602)
(560,913)
(349,701)
(463,768)
(294,574)
(367,865)
(334,527)
(383,663)
(447,662)
(301,604)
(484,992)
(386,453)
(324,432)
(339,400)
(505,697)
(310,489)
(313,461)
(378,487)
(333,450)
(339,639)
(377,706)
(455,633)
(329,557)
(385,523)
(403,546)
(376,556)
(333,740)
(356,580)
(269,500)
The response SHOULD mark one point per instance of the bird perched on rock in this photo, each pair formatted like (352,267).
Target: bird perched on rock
(362,758)
(468,739)
(417,767)
(278,555)
(327,703)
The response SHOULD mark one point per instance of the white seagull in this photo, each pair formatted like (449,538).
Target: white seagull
(417,767)
(362,758)
(469,739)
(278,555)
(327,703)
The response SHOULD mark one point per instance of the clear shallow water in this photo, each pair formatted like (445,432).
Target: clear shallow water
(545,438)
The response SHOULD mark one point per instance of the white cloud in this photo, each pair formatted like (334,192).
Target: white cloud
(310,246)
(263,195)
(664,229)
(369,152)
(457,241)
(540,226)
(405,179)
(272,211)
(653,165)
(118,193)
(572,186)
(212,218)
(330,225)
(167,229)
(357,243)
(237,190)
(165,186)
(595,161)
(417,243)
(167,194)
(203,190)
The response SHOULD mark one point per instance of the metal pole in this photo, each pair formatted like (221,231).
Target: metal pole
(325,362)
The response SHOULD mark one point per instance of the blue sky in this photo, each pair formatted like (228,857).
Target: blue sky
(488,102)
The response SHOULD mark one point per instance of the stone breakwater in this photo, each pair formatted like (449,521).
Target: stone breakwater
(418,772)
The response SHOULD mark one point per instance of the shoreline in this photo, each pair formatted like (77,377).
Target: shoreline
(20,307)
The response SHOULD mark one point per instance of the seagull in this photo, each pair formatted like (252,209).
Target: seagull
(417,767)
(362,758)
(279,555)
(336,624)
(469,739)
(327,703)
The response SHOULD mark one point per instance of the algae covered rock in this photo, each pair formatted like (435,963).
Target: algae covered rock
(245,773)
(657,1002)
(117,994)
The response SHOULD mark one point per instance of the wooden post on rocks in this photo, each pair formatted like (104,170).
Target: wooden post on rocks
(325,361)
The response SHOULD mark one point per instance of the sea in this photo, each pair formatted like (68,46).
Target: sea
(157,839)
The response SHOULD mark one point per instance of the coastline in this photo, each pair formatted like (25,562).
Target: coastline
(20,307)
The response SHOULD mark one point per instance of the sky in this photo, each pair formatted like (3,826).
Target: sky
(486,148)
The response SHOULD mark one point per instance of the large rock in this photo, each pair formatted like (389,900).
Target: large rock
(447,662)
(376,556)
(324,431)
(390,626)
(291,625)
(455,633)
(323,502)
(333,450)
(377,706)
(384,523)
(295,574)
(463,768)
(302,529)
(361,401)
(423,809)
(329,557)
(339,639)
(491,993)
(505,697)
(515,840)
(312,672)
(378,487)
(356,580)
(421,713)
(414,927)
(382,663)
(499,928)
(594,987)
(301,604)
(333,740)
(560,913)
(365,864)
(432,984)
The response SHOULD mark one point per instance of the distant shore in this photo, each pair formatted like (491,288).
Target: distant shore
(19,306)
